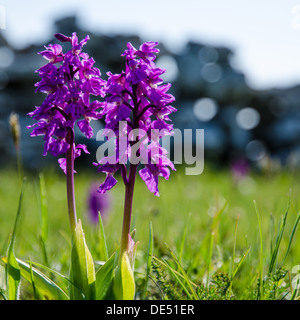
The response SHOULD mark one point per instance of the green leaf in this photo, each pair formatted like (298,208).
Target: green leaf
(46,287)
(65,280)
(124,286)
(12,270)
(104,277)
(102,241)
(13,275)
(82,272)
(240,263)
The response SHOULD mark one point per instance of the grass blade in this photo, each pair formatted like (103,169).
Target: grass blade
(149,259)
(43,217)
(240,263)
(50,270)
(207,238)
(178,280)
(272,223)
(210,251)
(32,281)
(43,208)
(278,241)
(12,270)
(188,281)
(261,251)
(175,271)
(102,241)
(233,253)
(234,245)
(291,237)
(218,216)
(183,238)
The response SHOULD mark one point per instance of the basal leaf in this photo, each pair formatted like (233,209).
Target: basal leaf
(104,277)
(82,268)
(124,286)
(13,275)
(45,286)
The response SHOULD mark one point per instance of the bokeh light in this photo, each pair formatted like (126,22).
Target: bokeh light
(208,55)
(205,109)
(6,57)
(247,118)
(169,63)
(255,150)
(211,72)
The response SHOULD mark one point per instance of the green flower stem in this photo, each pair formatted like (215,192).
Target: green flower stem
(70,188)
(129,188)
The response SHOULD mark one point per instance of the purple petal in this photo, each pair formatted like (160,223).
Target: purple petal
(109,182)
(83,147)
(61,37)
(63,164)
(150,180)
(85,128)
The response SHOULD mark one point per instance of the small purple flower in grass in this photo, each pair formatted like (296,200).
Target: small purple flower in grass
(138,97)
(98,202)
(239,168)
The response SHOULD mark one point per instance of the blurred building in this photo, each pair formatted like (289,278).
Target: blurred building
(211,94)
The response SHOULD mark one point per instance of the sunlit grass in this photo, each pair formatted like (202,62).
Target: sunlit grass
(206,220)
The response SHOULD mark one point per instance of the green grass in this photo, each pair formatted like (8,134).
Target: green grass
(216,247)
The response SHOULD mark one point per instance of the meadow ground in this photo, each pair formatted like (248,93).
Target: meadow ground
(210,222)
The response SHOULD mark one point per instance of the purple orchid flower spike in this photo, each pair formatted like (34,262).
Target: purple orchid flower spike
(68,79)
(138,97)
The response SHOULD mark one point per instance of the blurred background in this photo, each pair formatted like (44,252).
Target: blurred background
(234,69)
